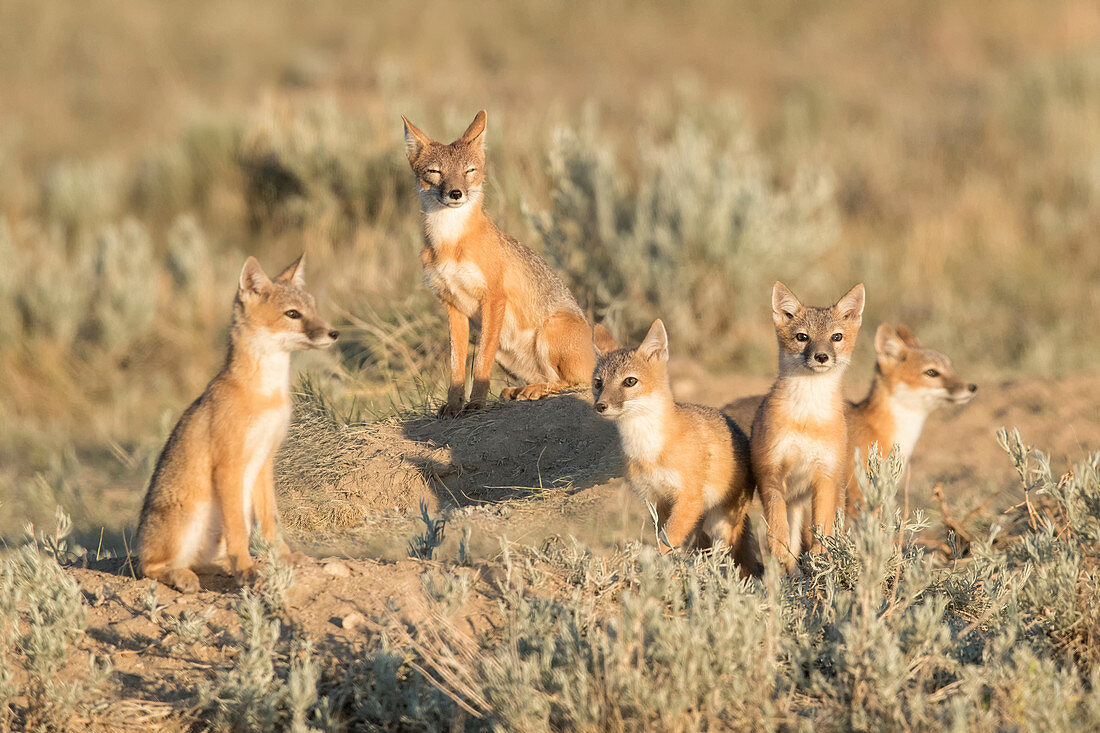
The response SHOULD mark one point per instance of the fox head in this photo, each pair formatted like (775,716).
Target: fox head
(815,340)
(920,377)
(280,311)
(450,176)
(631,381)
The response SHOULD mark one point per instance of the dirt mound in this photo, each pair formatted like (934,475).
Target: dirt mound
(333,475)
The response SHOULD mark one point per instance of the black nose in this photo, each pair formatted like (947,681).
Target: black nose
(601,407)
(821,358)
(455,194)
(972,387)
(334,335)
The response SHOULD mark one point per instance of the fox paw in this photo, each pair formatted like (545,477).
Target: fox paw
(182,579)
(245,576)
(533,392)
(449,411)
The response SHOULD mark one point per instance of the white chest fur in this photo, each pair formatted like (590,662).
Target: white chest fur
(642,435)
(446,225)
(909,414)
(812,403)
(460,283)
(263,436)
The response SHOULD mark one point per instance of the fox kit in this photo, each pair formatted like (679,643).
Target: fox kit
(688,460)
(800,435)
(910,382)
(530,323)
(214,475)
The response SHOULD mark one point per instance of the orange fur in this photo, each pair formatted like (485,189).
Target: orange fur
(529,322)
(688,460)
(799,435)
(910,382)
(215,477)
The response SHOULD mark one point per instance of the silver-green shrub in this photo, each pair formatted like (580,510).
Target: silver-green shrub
(692,229)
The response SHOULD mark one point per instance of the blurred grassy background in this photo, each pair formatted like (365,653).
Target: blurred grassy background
(671,159)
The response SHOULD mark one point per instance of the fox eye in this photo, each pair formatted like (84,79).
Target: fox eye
(802,337)
(931,373)
(471,170)
(629,382)
(838,337)
(293,314)
(597,384)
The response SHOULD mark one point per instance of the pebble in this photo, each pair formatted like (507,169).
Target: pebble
(353,621)
(336,569)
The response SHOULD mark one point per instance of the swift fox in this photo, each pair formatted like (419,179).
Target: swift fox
(800,435)
(689,460)
(214,476)
(530,324)
(910,382)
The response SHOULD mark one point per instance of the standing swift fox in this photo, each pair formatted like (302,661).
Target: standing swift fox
(689,460)
(529,321)
(910,382)
(214,476)
(800,435)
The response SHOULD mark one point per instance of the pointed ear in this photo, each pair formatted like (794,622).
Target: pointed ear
(908,337)
(296,273)
(887,344)
(602,340)
(253,278)
(655,345)
(475,130)
(784,305)
(851,305)
(415,140)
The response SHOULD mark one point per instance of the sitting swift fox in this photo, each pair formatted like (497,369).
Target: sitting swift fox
(689,460)
(529,321)
(214,476)
(800,434)
(910,382)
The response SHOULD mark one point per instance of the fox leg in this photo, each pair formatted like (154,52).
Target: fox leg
(773,499)
(682,522)
(157,553)
(746,550)
(568,339)
(853,497)
(167,539)
(824,504)
(264,507)
(492,320)
(460,341)
(229,495)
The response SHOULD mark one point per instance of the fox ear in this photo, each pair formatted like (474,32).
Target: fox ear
(908,337)
(415,140)
(888,346)
(475,130)
(784,305)
(253,278)
(851,305)
(655,345)
(296,273)
(602,340)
